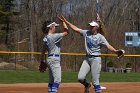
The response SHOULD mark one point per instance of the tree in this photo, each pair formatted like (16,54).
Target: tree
(5,13)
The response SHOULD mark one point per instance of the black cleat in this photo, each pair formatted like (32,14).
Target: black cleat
(87,88)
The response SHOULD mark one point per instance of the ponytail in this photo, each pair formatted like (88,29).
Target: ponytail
(101,28)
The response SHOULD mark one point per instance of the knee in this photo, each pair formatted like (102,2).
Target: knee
(81,80)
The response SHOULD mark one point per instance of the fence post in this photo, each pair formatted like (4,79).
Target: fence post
(105,64)
(15,61)
(135,63)
(75,64)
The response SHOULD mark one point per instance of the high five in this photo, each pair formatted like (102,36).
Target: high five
(94,40)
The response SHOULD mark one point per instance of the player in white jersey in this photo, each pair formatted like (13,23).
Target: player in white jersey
(52,46)
(94,40)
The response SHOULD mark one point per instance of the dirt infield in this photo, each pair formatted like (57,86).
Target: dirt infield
(119,87)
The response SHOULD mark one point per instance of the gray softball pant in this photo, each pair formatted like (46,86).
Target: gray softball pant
(54,70)
(93,64)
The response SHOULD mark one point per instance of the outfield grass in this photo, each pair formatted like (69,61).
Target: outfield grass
(12,76)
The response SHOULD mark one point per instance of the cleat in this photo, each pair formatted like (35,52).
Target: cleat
(97,88)
(87,88)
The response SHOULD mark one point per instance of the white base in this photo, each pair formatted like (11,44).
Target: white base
(103,87)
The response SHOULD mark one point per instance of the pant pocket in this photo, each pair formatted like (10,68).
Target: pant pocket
(53,62)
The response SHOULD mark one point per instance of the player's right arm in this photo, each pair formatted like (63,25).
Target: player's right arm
(66,31)
(64,26)
(75,28)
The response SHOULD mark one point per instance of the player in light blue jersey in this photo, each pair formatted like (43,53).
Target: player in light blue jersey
(52,46)
(94,41)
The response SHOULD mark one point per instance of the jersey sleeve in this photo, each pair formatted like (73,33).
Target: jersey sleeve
(83,32)
(103,40)
(58,37)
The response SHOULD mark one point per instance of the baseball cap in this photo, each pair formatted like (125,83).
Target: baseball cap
(93,23)
(53,23)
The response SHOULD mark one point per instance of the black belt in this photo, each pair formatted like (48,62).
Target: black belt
(92,55)
(54,55)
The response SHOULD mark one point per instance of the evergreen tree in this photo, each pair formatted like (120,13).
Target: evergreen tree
(5,13)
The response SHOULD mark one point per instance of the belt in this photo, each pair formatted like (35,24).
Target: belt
(53,55)
(92,55)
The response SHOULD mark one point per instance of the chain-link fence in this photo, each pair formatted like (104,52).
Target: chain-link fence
(69,61)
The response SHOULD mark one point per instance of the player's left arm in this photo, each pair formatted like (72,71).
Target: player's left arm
(105,42)
(111,48)
(119,52)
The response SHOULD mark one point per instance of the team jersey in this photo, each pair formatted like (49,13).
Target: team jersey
(52,43)
(93,43)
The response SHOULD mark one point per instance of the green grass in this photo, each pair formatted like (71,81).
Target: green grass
(120,77)
(11,76)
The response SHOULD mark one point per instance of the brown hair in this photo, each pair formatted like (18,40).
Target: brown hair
(101,28)
(45,29)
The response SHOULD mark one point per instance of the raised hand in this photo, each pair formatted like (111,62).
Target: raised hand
(59,17)
(98,19)
(63,19)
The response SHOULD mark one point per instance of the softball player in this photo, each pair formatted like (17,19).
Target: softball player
(52,45)
(94,40)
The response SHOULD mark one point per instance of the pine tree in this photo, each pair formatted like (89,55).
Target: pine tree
(5,13)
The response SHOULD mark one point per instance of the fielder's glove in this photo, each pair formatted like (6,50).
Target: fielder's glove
(120,53)
(42,66)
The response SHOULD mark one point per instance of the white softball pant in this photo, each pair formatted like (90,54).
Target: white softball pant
(93,64)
